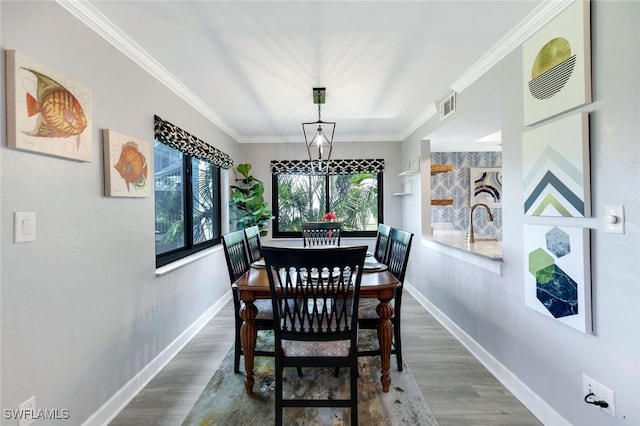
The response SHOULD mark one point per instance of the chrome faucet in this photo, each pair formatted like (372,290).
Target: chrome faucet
(470,237)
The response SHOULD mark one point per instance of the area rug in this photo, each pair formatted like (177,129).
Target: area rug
(224,402)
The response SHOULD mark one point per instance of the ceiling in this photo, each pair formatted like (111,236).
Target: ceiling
(250,66)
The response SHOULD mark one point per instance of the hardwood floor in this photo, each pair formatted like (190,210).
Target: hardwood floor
(458,389)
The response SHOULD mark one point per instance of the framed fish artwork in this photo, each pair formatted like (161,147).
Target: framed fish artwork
(47,112)
(126,165)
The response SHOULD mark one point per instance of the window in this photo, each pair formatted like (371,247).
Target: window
(187,193)
(185,184)
(355,197)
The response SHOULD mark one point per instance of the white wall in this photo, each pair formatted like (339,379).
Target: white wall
(82,310)
(541,360)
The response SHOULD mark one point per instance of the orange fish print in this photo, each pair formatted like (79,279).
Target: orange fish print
(132,166)
(61,115)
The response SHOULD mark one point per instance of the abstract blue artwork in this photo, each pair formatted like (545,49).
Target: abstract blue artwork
(486,186)
(557,273)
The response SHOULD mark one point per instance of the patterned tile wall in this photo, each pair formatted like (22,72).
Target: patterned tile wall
(455,185)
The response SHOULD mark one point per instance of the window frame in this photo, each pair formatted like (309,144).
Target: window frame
(190,248)
(296,234)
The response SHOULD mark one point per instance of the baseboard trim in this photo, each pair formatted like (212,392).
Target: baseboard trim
(543,411)
(110,409)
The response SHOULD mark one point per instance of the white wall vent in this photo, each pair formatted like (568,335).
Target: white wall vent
(448,106)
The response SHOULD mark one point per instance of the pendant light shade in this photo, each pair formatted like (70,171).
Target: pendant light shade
(318,136)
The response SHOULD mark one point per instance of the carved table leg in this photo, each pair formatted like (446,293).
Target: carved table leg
(248,337)
(385,337)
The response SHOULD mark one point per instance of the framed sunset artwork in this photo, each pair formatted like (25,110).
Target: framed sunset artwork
(47,112)
(557,65)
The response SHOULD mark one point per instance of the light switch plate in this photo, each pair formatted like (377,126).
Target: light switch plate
(614,219)
(24,227)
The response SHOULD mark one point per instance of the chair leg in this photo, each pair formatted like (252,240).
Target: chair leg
(299,371)
(398,344)
(237,351)
(353,371)
(278,395)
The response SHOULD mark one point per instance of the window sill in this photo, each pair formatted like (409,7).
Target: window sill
(187,260)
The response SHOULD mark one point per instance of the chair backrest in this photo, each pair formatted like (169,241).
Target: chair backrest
(318,234)
(315,291)
(398,255)
(382,243)
(253,243)
(236,254)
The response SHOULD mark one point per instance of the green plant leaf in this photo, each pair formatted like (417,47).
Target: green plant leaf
(244,169)
(247,201)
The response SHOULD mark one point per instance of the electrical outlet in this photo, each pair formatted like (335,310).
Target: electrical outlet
(588,385)
(606,394)
(26,411)
(600,392)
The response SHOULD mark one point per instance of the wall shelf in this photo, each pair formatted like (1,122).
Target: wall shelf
(440,168)
(410,171)
(435,170)
(406,186)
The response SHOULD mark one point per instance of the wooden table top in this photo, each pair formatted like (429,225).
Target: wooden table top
(372,285)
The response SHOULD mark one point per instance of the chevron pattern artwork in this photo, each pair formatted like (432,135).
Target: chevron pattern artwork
(557,278)
(555,160)
(455,185)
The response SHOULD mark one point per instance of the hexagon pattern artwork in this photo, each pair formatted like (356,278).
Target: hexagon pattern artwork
(558,242)
(557,273)
(555,289)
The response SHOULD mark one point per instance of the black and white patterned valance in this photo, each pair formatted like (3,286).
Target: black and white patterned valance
(336,167)
(181,140)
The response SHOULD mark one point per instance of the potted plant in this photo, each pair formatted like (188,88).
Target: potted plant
(248,205)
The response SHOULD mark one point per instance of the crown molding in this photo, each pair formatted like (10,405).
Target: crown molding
(99,23)
(422,118)
(540,16)
(343,139)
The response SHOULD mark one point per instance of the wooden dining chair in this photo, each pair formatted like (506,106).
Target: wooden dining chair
(316,322)
(253,243)
(382,243)
(237,256)
(319,234)
(368,319)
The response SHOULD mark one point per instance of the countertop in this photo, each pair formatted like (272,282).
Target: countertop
(489,248)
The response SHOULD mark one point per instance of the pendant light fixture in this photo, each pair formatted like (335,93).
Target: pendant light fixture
(320,145)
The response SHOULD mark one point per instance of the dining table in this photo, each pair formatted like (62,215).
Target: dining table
(377,282)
